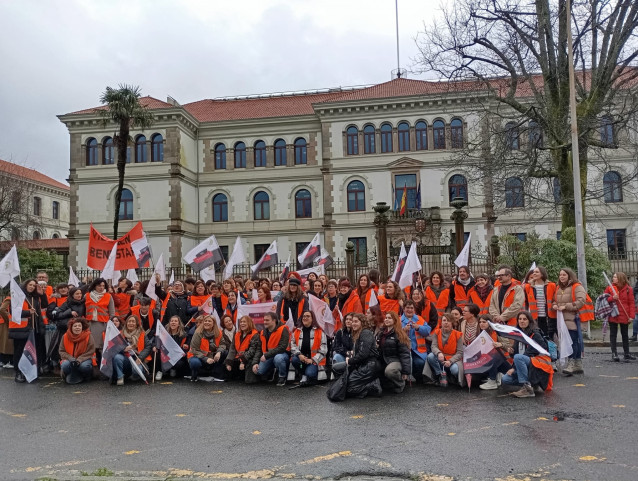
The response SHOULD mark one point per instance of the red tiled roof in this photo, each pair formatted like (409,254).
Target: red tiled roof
(148,102)
(61,244)
(257,108)
(30,174)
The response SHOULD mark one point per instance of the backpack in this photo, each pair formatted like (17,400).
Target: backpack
(552,348)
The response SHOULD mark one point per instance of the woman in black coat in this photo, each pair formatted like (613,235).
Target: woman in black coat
(73,307)
(342,343)
(363,376)
(394,352)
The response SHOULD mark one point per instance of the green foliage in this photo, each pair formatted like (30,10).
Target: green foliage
(98,472)
(32,261)
(554,255)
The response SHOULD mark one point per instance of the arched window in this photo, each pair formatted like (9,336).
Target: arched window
(457,187)
(607,131)
(438,132)
(612,187)
(356,196)
(535,135)
(157,148)
(280,152)
(514,193)
(303,204)
(352,136)
(301,155)
(220,208)
(37,206)
(386,138)
(369,146)
(260,153)
(37,235)
(140,149)
(240,155)
(55,236)
(404,136)
(261,205)
(421,132)
(220,157)
(556,189)
(108,151)
(456,133)
(126,205)
(512,136)
(91,151)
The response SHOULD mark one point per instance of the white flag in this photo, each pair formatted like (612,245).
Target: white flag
(532,267)
(169,350)
(150,289)
(109,271)
(311,252)
(131,275)
(464,257)
(290,324)
(171,281)
(237,257)
(160,267)
(323,315)
(73,279)
(412,265)
(9,266)
(208,274)
(28,363)
(17,300)
(398,269)
(565,346)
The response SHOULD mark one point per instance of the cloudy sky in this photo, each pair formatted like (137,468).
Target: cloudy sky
(59,55)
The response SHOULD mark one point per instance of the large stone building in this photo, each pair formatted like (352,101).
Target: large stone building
(286,166)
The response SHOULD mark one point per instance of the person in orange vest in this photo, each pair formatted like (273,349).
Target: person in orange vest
(123,296)
(494,375)
(138,349)
(147,316)
(99,309)
(197,299)
(530,369)
(570,298)
(437,293)
(392,298)
(394,352)
(481,293)
(446,357)
(348,300)
(275,347)
(308,348)
(43,277)
(460,287)
(425,308)
(244,352)
(507,299)
(176,330)
(208,350)
(175,300)
(292,300)
(364,290)
(621,295)
(417,330)
(539,292)
(76,352)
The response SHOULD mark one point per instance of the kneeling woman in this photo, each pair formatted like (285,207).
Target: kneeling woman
(208,350)
(176,330)
(308,347)
(363,377)
(138,349)
(394,349)
(447,353)
(244,352)
(76,352)
(530,368)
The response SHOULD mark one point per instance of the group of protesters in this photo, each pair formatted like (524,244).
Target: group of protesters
(382,337)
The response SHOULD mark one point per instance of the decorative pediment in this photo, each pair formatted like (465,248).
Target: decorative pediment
(406,163)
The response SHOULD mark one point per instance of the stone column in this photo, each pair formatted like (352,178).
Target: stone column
(350,260)
(381,222)
(459,216)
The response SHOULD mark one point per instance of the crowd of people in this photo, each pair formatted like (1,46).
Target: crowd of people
(412,335)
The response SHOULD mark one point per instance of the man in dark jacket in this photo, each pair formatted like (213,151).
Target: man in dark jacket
(275,343)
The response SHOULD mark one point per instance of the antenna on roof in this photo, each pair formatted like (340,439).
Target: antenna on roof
(399,72)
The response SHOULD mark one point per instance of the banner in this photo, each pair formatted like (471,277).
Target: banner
(256,312)
(481,355)
(100,247)
(516,334)
(114,343)
(323,314)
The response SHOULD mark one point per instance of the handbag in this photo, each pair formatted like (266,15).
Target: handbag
(337,390)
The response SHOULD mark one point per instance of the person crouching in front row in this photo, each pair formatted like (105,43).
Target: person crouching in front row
(275,342)
(139,347)
(308,347)
(208,350)
(76,352)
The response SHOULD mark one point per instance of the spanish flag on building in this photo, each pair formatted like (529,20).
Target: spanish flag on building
(404,201)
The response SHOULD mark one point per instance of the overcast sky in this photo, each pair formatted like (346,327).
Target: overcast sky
(59,55)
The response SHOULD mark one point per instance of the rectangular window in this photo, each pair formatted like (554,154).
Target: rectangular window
(128,155)
(521,236)
(360,250)
(56,210)
(368,141)
(260,156)
(558,234)
(37,206)
(405,181)
(259,250)
(616,242)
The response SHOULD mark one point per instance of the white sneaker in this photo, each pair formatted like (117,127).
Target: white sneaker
(158,376)
(8,366)
(499,378)
(489,385)
(304,378)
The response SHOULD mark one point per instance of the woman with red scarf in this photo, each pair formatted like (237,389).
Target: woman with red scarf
(76,352)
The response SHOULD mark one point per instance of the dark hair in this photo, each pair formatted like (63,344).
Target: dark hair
(474,309)
(73,290)
(273,315)
(465,268)
(437,273)
(571,275)
(374,275)
(144,301)
(532,322)
(409,302)
(81,320)
(190,280)
(129,284)
(62,285)
(266,291)
(488,318)
(97,282)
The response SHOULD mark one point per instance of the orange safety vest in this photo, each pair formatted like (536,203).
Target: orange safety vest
(508,358)
(232,314)
(421,345)
(273,340)
(366,299)
(352,304)
(586,312)
(425,313)
(544,363)
(530,299)
(441,302)
(386,305)
(461,296)
(164,304)
(449,348)
(102,308)
(300,307)
(242,346)
(476,299)
(124,301)
(316,344)
(507,301)
(204,345)
(23,324)
(135,310)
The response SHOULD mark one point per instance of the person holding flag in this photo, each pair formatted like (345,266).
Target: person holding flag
(175,329)
(292,301)
(208,350)
(308,348)
(99,308)
(176,301)
(137,351)
(244,352)
(76,352)
(197,299)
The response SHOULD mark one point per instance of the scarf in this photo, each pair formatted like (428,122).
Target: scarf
(437,290)
(343,298)
(96,297)
(465,282)
(80,342)
(305,342)
(133,337)
(484,291)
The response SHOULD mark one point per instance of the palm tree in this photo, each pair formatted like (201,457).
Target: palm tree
(125,110)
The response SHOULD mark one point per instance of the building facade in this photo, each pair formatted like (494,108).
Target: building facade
(287,166)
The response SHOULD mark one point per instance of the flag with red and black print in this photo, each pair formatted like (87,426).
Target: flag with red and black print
(311,252)
(114,343)
(284,274)
(269,259)
(398,269)
(29,361)
(169,350)
(325,260)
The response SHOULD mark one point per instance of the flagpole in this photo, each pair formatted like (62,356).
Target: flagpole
(154,359)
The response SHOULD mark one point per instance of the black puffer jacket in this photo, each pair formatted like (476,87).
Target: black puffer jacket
(343,341)
(393,350)
(365,349)
(63,313)
(537,336)
(177,305)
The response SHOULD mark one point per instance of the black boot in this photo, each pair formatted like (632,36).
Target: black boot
(614,357)
(634,338)
(629,357)
(20,377)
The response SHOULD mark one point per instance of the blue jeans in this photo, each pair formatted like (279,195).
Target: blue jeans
(521,371)
(502,368)
(575,344)
(122,366)
(418,363)
(279,362)
(437,366)
(311,371)
(85,368)
(216,369)
(338,358)
(636,325)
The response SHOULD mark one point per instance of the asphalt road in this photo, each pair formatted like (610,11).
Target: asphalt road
(229,431)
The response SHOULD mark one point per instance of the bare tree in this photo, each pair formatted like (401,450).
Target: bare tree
(516,50)
(17,216)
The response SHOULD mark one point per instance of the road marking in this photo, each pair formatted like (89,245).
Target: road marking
(180,415)
(327,457)
(126,403)
(132,451)
(443,404)
(451,434)
(578,385)
(606,375)
(617,405)
(631,378)
(256,433)
(166,383)
(591,458)
(510,424)
(79,392)
(358,416)
(216,392)
(13,415)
